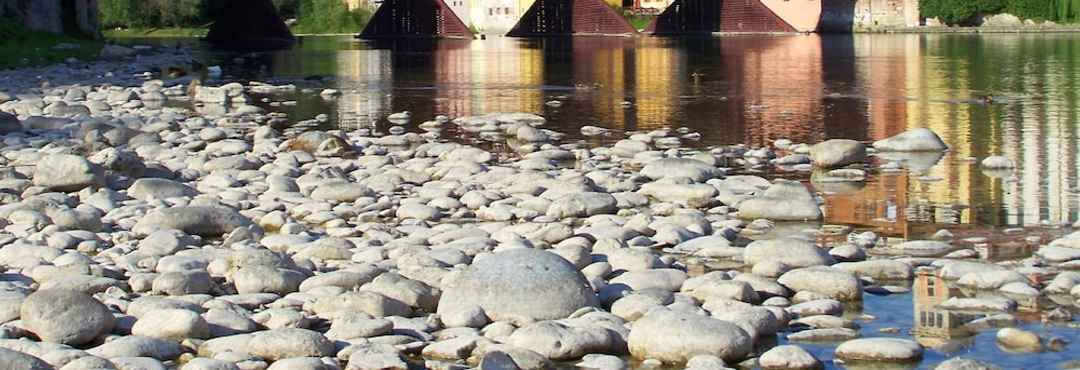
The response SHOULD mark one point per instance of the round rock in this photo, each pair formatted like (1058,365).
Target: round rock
(675,337)
(509,285)
(880,349)
(788,357)
(65,316)
(837,152)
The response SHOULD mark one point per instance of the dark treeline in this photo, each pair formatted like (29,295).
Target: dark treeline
(312,16)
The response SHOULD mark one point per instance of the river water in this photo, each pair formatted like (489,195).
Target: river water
(1013,95)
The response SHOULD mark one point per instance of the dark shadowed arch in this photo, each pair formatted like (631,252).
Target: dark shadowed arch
(249,24)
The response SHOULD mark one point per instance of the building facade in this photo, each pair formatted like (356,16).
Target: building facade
(490,16)
(648,6)
(847,15)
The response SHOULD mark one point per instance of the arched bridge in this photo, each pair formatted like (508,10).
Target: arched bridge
(256,24)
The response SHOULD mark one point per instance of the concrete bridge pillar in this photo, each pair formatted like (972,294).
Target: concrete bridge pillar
(571,17)
(415,18)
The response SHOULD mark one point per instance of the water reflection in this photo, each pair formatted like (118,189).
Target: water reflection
(1010,95)
(935,327)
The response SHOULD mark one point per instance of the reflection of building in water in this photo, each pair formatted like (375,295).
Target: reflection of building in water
(509,79)
(605,64)
(658,80)
(934,327)
(366,79)
(895,66)
(1005,250)
(778,102)
(1041,139)
(881,204)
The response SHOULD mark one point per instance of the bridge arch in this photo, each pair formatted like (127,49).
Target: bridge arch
(249,24)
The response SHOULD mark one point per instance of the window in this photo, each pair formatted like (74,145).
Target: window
(922,318)
(940,322)
(506,11)
(491,11)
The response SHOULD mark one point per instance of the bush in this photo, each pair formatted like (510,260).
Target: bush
(959,11)
(121,13)
(314,16)
(1031,9)
(964,11)
(330,16)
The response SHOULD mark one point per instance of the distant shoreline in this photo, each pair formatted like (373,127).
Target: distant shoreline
(196,32)
(972,30)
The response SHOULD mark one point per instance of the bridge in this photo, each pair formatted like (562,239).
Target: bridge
(255,24)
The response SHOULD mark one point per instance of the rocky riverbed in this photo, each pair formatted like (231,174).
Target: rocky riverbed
(153,223)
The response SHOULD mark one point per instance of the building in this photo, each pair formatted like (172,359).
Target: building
(492,16)
(648,7)
(847,15)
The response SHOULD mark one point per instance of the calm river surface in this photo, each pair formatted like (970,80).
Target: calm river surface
(1013,95)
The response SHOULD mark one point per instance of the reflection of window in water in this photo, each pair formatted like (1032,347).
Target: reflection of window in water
(930,287)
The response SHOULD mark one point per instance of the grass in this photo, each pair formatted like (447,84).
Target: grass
(335,20)
(25,48)
(156,32)
(639,22)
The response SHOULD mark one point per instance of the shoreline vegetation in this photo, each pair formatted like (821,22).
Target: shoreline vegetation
(191,18)
(41,48)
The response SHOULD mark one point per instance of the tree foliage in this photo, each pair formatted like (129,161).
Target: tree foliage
(964,12)
(330,16)
(314,16)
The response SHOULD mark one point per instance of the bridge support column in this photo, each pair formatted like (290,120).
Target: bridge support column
(249,24)
(415,18)
(570,17)
(708,16)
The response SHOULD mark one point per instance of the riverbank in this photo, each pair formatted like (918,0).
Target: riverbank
(155,32)
(25,48)
(973,30)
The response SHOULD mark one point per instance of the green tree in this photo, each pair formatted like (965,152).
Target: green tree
(959,11)
(1031,9)
(1067,10)
(330,16)
(120,13)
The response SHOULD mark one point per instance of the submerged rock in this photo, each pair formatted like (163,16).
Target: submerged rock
(1019,340)
(788,357)
(880,349)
